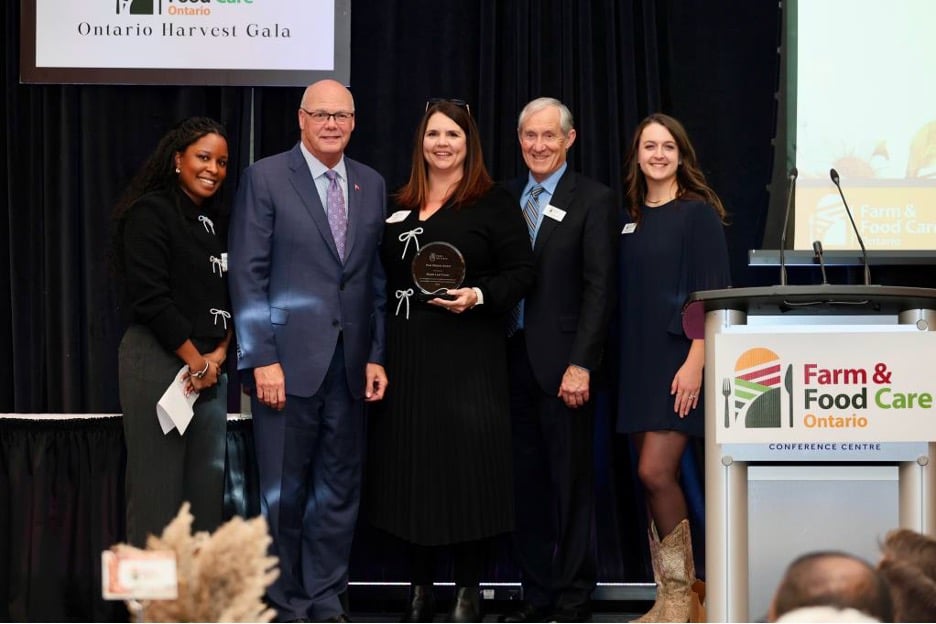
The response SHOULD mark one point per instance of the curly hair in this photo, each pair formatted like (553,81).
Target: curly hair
(690,181)
(158,172)
(474,183)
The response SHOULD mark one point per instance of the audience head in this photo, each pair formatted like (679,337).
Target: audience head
(825,614)
(546,132)
(832,579)
(449,124)
(908,564)
(911,547)
(326,120)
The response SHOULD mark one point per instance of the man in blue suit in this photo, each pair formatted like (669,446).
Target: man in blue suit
(309,295)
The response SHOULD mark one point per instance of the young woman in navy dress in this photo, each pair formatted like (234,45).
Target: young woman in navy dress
(672,244)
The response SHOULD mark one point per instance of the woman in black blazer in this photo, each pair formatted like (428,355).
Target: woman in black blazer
(169,249)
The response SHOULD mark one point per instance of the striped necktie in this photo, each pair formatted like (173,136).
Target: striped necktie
(531,216)
(531,211)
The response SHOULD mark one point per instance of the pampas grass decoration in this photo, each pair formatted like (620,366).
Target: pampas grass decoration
(222,576)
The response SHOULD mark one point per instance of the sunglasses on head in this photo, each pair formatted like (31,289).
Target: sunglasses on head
(455,101)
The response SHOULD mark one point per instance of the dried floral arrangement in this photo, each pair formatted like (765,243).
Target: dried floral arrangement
(222,575)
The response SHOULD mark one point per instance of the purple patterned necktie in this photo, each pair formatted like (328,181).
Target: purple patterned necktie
(337,216)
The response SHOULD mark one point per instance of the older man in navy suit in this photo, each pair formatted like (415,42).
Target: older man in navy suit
(553,359)
(309,295)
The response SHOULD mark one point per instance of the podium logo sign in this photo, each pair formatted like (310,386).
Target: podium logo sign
(825,386)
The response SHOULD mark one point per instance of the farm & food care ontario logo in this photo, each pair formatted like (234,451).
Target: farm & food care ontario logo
(831,398)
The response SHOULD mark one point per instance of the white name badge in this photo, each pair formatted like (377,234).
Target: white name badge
(629,228)
(557,214)
(399,215)
(224,261)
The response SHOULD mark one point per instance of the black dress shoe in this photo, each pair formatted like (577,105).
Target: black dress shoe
(421,607)
(527,613)
(467,605)
(341,617)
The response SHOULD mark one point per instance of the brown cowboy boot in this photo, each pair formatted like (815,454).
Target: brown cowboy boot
(677,573)
(653,614)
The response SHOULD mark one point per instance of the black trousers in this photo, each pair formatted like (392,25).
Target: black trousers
(554,484)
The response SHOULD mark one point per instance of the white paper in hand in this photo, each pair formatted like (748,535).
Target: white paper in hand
(174,408)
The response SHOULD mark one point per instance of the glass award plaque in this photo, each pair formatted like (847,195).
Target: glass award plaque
(438,267)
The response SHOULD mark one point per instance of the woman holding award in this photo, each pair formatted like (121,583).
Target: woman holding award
(440,464)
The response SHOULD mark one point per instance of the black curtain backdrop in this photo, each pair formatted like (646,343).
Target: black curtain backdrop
(69,150)
(62,494)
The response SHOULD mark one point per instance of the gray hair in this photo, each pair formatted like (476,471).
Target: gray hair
(535,106)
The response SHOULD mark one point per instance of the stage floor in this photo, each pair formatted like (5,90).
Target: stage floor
(604,611)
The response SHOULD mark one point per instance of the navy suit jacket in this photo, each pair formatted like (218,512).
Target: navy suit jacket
(292,296)
(566,315)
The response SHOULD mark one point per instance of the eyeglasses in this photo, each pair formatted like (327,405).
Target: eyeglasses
(455,101)
(320,116)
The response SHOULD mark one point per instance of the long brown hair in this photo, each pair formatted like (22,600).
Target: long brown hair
(690,181)
(476,180)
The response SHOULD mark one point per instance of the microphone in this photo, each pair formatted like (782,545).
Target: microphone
(791,191)
(817,249)
(864,254)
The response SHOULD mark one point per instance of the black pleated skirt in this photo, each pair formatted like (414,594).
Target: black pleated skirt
(439,465)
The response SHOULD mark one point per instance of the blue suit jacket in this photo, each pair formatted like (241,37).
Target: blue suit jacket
(291,293)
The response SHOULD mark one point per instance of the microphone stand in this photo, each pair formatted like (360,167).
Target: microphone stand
(817,249)
(864,254)
(791,191)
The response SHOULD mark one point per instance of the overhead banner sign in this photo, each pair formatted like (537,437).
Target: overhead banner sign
(835,386)
(221,42)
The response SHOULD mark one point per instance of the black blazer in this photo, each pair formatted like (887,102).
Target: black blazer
(173,277)
(566,315)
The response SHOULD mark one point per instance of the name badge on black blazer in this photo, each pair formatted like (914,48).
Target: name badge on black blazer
(556,214)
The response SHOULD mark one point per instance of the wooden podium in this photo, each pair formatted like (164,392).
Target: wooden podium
(802,320)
